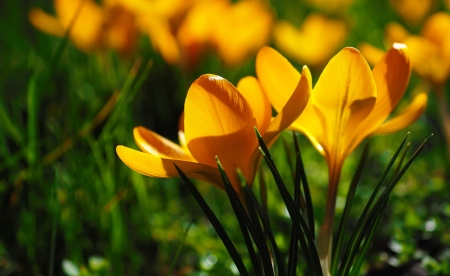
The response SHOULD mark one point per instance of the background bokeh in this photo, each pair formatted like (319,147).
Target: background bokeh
(69,206)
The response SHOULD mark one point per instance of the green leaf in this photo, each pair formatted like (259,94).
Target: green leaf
(215,223)
(177,254)
(348,204)
(353,244)
(245,225)
(306,240)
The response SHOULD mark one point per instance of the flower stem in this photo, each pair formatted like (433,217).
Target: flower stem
(326,230)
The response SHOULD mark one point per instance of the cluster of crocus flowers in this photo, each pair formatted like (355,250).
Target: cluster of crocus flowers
(314,43)
(348,103)
(430,57)
(179,30)
(219,120)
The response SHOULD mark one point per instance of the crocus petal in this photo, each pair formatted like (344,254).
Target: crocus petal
(407,117)
(391,76)
(250,88)
(319,36)
(343,96)
(372,54)
(234,25)
(219,122)
(85,17)
(292,109)
(395,33)
(45,22)
(154,166)
(437,27)
(277,76)
(154,144)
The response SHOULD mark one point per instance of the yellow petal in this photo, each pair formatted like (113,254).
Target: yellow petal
(343,96)
(288,114)
(45,22)
(250,88)
(293,108)
(154,144)
(395,33)
(391,77)
(407,117)
(234,25)
(85,17)
(161,37)
(219,122)
(372,54)
(314,42)
(154,166)
(437,27)
(412,11)
(277,76)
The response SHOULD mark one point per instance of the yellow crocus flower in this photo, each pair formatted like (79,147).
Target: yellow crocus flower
(233,30)
(218,121)
(348,103)
(92,27)
(87,17)
(314,43)
(413,11)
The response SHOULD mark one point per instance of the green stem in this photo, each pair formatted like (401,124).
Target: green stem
(326,231)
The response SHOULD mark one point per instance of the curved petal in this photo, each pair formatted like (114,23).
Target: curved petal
(251,90)
(293,108)
(407,117)
(277,76)
(219,122)
(391,77)
(154,166)
(154,144)
(45,22)
(343,96)
(290,112)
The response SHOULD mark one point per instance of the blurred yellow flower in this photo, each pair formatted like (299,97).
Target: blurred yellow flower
(233,30)
(92,27)
(348,103)
(413,11)
(218,121)
(314,43)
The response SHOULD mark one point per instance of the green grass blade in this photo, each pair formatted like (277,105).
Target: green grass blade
(306,240)
(244,224)
(8,126)
(293,243)
(348,203)
(215,223)
(251,199)
(352,244)
(366,245)
(177,254)
(300,169)
(32,122)
(263,194)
